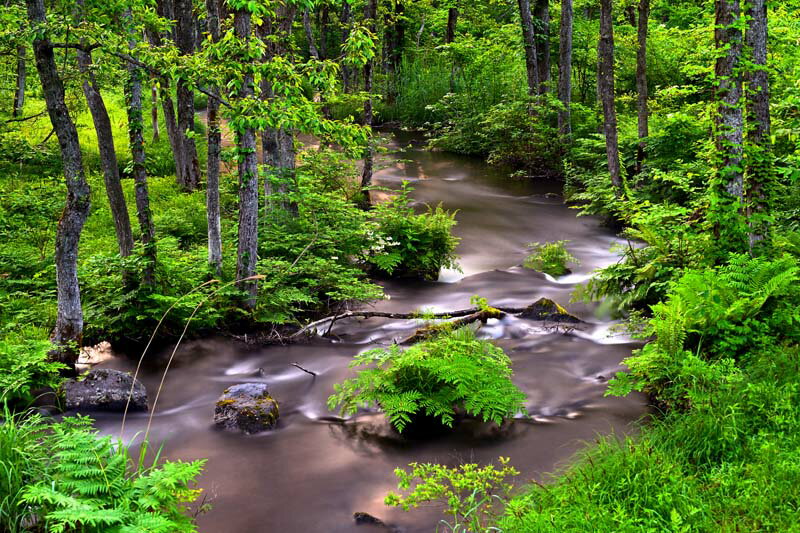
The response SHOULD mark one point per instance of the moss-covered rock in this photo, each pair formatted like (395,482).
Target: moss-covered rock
(547,309)
(246,407)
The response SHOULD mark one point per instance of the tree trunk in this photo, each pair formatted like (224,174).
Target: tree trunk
(108,155)
(247,253)
(312,45)
(542,13)
(278,143)
(452,22)
(324,27)
(68,332)
(565,68)
(154,112)
(213,159)
(185,40)
(641,83)
(345,20)
(605,92)
(730,122)
(133,97)
(759,169)
(370,12)
(19,89)
(529,40)
(164,10)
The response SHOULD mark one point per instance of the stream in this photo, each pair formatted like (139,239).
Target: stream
(310,474)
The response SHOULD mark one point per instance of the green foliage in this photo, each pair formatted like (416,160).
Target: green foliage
(451,372)
(22,463)
(472,495)
(92,484)
(551,258)
(406,244)
(25,368)
(66,478)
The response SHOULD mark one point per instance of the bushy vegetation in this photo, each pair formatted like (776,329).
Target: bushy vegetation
(63,477)
(551,258)
(473,495)
(451,373)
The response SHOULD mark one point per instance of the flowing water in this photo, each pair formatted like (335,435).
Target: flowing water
(311,474)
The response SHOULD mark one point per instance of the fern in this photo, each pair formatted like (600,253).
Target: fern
(92,485)
(452,371)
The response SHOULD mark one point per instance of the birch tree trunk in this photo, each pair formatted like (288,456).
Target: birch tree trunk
(185,39)
(529,40)
(565,68)
(19,88)
(759,169)
(213,159)
(247,252)
(730,120)
(542,40)
(605,92)
(312,45)
(133,97)
(108,155)
(642,109)
(68,332)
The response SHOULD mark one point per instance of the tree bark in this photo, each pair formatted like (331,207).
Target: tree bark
(19,88)
(565,68)
(68,332)
(164,10)
(108,155)
(542,40)
(370,12)
(642,109)
(133,97)
(312,45)
(278,143)
(247,252)
(452,22)
(154,112)
(324,27)
(759,169)
(346,21)
(213,159)
(605,92)
(529,41)
(730,121)
(185,39)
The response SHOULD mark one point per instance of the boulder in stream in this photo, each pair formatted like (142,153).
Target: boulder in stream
(547,309)
(105,389)
(246,407)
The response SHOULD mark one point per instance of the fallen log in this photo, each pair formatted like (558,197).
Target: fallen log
(543,309)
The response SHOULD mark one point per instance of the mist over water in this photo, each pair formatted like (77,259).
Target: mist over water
(311,474)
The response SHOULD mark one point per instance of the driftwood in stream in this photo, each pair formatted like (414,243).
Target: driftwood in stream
(542,309)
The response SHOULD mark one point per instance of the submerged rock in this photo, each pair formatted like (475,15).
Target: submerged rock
(246,407)
(547,309)
(105,390)
(366,519)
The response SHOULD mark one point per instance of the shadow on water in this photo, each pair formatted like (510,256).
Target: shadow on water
(312,474)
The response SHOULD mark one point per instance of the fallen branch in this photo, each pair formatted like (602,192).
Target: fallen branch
(303,369)
(542,309)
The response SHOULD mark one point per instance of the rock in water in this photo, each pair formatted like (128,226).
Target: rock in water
(104,389)
(247,407)
(547,309)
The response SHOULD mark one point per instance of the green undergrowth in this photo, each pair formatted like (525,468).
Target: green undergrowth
(61,477)
(722,451)
(450,373)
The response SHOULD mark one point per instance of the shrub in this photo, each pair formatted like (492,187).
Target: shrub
(551,258)
(406,244)
(24,367)
(454,370)
(91,484)
(471,493)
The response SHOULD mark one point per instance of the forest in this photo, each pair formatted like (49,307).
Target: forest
(399,265)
